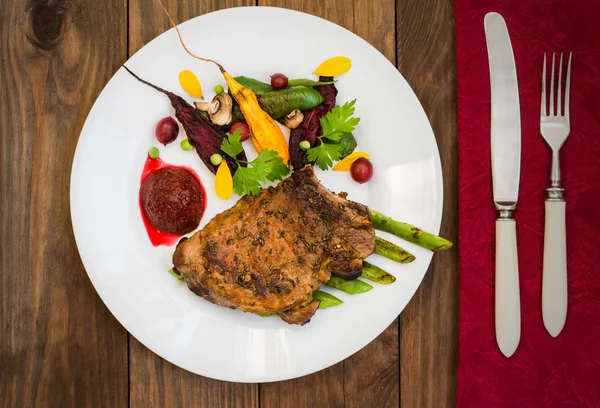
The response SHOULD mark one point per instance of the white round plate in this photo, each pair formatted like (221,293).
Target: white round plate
(131,276)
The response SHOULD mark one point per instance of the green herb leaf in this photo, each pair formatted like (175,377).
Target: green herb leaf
(269,166)
(324,155)
(339,121)
(233,145)
(245,181)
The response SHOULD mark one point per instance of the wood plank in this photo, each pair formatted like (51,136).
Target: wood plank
(371,376)
(59,344)
(429,325)
(154,381)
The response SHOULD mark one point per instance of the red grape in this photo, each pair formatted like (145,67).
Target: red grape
(243,128)
(279,81)
(167,130)
(361,170)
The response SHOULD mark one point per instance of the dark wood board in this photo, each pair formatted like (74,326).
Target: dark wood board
(59,345)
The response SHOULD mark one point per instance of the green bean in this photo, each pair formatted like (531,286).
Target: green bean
(327,299)
(351,287)
(178,276)
(307,82)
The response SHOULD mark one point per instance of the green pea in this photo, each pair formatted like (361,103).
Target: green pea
(219,89)
(154,152)
(216,159)
(185,145)
(304,145)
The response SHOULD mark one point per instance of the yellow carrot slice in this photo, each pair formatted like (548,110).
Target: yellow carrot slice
(346,163)
(333,67)
(190,83)
(223,181)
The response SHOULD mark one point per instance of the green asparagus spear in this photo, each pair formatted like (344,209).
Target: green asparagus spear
(351,287)
(175,274)
(376,274)
(409,232)
(392,251)
(327,300)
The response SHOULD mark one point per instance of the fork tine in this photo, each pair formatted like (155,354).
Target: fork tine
(552,112)
(568,87)
(543,104)
(559,98)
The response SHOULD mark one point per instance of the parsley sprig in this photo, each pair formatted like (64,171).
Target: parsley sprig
(335,124)
(268,166)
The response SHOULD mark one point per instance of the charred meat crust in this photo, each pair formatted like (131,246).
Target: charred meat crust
(268,254)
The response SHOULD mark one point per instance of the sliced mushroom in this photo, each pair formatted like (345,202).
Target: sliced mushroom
(219,109)
(293,119)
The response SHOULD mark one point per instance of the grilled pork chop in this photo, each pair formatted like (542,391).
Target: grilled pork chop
(268,254)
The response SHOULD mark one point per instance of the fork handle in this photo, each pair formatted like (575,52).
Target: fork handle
(554,282)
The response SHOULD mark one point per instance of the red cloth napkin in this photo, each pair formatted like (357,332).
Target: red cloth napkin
(544,371)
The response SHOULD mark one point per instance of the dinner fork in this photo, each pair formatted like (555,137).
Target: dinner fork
(555,128)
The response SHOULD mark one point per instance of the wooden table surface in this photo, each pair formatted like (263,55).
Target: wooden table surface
(59,344)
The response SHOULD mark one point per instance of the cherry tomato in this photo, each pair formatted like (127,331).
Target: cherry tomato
(243,128)
(279,81)
(167,130)
(361,170)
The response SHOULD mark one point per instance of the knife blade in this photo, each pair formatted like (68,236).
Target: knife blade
(505,134)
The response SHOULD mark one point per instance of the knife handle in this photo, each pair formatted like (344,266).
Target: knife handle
(508,308)
(554,283)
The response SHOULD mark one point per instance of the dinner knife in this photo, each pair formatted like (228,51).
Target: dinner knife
(505,133)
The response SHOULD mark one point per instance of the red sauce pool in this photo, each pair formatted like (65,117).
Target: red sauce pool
(158,237)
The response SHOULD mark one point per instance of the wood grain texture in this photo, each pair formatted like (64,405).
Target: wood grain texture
(59,345)
(369,378)
(429,325)
(155,382)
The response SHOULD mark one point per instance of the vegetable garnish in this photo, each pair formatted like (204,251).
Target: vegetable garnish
(333,67)
(216,159)
(223,181)
(185,145)
(352,287)
(307,82)
(175,274)
(327,299)
(335,124)
(344,164)
(154,152)
(268,166)
(266,133)
(190,83)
